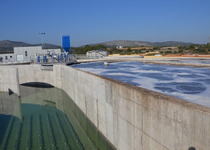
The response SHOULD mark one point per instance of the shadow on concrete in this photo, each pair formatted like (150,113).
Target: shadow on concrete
(38,85)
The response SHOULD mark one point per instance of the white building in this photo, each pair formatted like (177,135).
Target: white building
(119,47)
(27,54)
(7,57)
(96,54)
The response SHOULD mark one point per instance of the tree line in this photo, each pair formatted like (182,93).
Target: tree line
(84,49)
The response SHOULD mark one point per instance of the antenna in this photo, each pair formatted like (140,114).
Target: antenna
(42,35)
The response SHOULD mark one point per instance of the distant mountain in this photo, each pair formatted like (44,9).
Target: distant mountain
(7,46)
(47,46)
(172,43)
(127,43)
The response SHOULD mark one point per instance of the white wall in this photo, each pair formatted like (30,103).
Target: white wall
(30,52)
(10,57)
(9,79)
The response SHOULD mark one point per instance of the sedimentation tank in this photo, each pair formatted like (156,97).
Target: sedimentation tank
(129,117)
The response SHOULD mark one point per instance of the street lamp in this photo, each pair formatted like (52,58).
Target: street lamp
(42,35)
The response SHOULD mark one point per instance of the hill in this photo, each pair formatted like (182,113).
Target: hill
(127,43)
(7,43)
(172,43)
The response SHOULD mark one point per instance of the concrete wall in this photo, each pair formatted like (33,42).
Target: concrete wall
(13,75)
(9,79)
(37,73)
(10,105)
(129,117)
(137,119)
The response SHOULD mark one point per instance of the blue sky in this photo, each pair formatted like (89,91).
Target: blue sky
(95,21)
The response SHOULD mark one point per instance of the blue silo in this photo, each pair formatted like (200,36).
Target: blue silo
(66,44)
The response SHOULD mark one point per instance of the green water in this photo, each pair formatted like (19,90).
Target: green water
(46,119)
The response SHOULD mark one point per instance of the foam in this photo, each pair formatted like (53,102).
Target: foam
(150,75)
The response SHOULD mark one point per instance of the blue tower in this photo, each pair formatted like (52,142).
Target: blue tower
(66,44)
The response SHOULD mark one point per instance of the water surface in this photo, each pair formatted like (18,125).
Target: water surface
(45,118)
(189,83)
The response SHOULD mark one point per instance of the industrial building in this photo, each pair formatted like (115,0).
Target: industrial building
(96,54)
(38,54)
(22,54)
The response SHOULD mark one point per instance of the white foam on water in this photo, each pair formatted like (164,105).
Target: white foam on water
(98,71)
(147,83)
(146,76)
(202,98)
